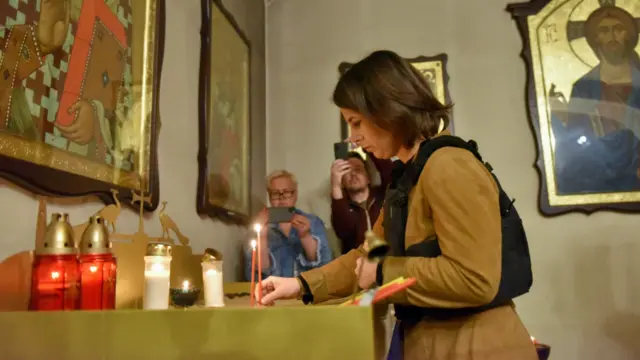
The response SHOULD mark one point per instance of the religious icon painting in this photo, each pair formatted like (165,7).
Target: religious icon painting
(223,159)
(79,96)
(583,94)
(433,68)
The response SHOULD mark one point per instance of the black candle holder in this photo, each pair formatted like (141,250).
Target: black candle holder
(543,351)
(184,297)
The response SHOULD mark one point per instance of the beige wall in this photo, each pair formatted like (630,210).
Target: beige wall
(586,290)
(178,144)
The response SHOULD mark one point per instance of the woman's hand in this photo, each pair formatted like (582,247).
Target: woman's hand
(367,278)
(277,288)
(302,224)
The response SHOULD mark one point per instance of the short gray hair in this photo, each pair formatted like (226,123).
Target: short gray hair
(281,173)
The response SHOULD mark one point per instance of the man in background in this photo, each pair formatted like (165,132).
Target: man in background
(355,200)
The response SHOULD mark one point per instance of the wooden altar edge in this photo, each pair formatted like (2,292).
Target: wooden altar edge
(239,333)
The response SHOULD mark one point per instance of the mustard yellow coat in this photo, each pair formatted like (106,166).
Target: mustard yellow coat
(455,199)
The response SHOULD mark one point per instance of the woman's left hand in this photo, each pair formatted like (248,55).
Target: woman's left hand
(301,224)
(368,275)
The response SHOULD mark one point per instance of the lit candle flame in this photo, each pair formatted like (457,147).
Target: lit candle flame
(533,340)
(93,268)
(253,245)
(257,228)
(185,285)
(55,274)
(157,267)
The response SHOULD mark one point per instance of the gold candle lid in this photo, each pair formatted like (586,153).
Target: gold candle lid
(211,255)
(58,237)
(158,249)
(95,238)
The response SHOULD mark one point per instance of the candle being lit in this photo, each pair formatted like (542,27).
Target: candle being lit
(253,272)
(257,229)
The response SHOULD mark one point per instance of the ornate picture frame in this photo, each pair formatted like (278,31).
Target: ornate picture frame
(583,101)
(224,167)
(74,98)
(432,67)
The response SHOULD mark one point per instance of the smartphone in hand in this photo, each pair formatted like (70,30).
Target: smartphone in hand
(280,214)
(341,150)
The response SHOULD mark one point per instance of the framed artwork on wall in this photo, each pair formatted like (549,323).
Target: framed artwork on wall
(583,101)
(224,133)
(79,96)
(434,69)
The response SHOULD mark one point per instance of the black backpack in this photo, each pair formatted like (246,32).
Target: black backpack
(516,278)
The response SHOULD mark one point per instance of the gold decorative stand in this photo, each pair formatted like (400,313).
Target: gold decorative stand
(129,249)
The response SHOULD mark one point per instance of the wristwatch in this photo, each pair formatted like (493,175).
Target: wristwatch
(305,291)
(379,274)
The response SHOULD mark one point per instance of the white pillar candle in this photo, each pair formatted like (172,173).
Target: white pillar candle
(213,284)
(156,282)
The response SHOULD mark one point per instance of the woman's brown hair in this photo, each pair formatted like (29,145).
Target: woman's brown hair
(393,94)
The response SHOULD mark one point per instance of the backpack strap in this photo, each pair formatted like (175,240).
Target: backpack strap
(427,148)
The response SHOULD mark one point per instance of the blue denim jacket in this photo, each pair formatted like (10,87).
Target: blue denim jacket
(287,255)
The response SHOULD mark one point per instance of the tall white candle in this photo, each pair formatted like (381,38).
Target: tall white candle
(213,285)
(156,286)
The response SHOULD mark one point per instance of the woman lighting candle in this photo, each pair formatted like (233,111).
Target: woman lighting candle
(446,232)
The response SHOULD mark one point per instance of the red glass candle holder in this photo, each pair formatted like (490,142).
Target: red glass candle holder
(55,283)
(98,282)
(97,268)
(55,278)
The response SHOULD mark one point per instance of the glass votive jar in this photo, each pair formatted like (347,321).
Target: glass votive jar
(55,277)
(157,272)
(98,270)
(212,278)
